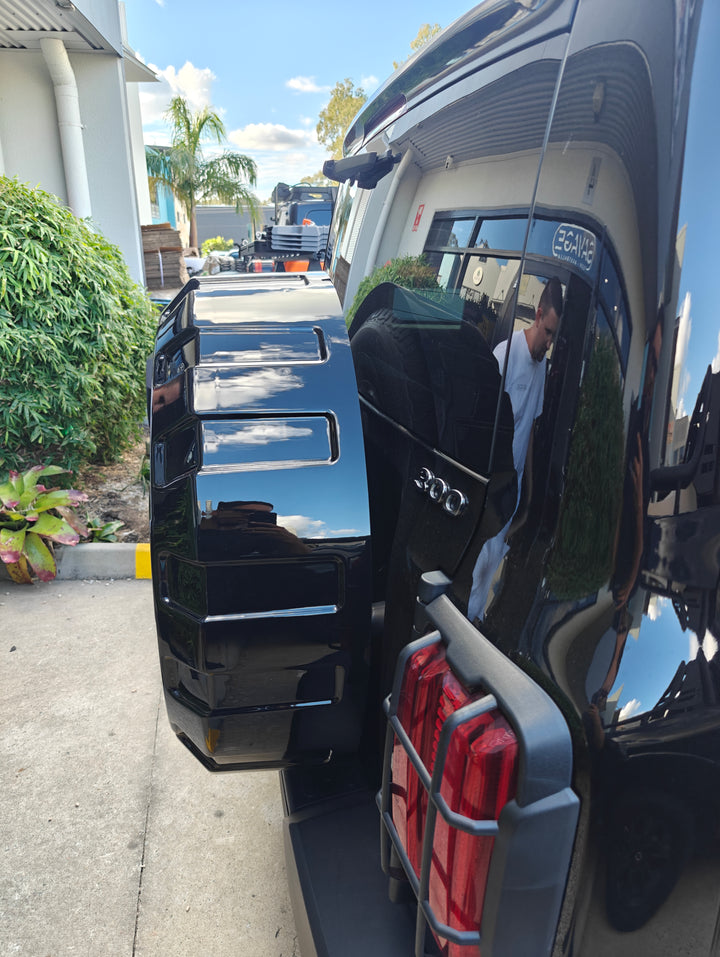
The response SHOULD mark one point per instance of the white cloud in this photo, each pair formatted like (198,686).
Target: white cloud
(305,84)
(193,83)
(629,709)
(271,137)
(282,154)
(369,83)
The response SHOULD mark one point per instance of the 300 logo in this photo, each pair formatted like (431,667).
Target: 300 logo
(452,500)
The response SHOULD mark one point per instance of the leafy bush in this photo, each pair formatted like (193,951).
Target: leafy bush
(216,244)
(75,331)
(411,272)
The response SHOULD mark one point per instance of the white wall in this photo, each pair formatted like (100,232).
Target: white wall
(137,148)
(106,134)
(103,14)
(28,122)
(112,133)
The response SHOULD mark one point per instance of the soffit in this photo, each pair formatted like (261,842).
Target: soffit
(24,23)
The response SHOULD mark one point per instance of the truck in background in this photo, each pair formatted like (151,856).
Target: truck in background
(296,240)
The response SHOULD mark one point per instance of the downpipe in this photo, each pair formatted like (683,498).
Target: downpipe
(69,125)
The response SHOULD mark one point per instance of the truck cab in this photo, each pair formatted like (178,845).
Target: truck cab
(436,534)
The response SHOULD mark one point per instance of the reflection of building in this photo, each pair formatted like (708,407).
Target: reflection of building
(253,525)
(238,515)
(677,434)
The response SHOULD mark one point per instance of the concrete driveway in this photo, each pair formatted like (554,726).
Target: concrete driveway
(114,840)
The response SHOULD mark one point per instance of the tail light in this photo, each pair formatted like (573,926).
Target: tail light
(475,778)
(476,802)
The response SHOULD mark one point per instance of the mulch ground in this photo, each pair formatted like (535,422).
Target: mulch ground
(117,493)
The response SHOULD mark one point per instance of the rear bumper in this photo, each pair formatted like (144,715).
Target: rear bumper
(338,891)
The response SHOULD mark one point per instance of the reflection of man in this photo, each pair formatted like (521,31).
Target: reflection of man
(525,384)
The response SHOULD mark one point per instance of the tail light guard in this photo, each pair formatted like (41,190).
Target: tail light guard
(482,879)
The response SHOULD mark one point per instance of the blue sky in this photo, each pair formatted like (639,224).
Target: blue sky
(268,67)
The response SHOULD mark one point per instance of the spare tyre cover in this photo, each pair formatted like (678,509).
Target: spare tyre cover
(259,522)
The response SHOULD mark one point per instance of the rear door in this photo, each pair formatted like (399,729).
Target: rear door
(259,523)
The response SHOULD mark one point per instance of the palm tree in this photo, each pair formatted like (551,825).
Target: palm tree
(193,178)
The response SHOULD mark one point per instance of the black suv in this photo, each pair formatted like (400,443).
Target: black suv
(441,541)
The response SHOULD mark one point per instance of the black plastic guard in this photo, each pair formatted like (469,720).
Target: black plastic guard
(259,522)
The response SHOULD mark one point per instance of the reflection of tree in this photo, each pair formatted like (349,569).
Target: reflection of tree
(582,556)
(479,311)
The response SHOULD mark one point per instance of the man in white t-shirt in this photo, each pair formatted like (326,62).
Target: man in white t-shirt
(525,384)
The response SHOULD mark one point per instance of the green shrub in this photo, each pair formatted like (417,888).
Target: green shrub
(410,272)
(75,331)
(216,244)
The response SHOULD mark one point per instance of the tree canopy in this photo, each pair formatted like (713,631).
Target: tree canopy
(317,179)
(425,33)
(345,101)
(226,178)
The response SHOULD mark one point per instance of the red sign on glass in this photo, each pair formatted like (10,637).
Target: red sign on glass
(418,217)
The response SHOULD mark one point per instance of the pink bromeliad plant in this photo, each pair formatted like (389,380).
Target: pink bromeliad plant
(32,517)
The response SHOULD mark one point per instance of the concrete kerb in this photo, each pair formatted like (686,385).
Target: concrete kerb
(99,560)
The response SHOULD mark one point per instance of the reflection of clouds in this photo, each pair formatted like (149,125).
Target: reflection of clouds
(628,710)
(260,433)
(265,352)
(680,376)
(656,606)
(305,527)
(242,391)
(709,646)
(716,357)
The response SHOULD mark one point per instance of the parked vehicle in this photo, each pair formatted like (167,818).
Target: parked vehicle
(303,203)
(297,240)
(476,632)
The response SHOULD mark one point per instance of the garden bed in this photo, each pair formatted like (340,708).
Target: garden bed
(117,492)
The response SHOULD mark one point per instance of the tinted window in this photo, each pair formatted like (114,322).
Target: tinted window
(501,234)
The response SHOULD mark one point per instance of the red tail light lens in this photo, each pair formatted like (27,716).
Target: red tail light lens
(479,778)
(419,696)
